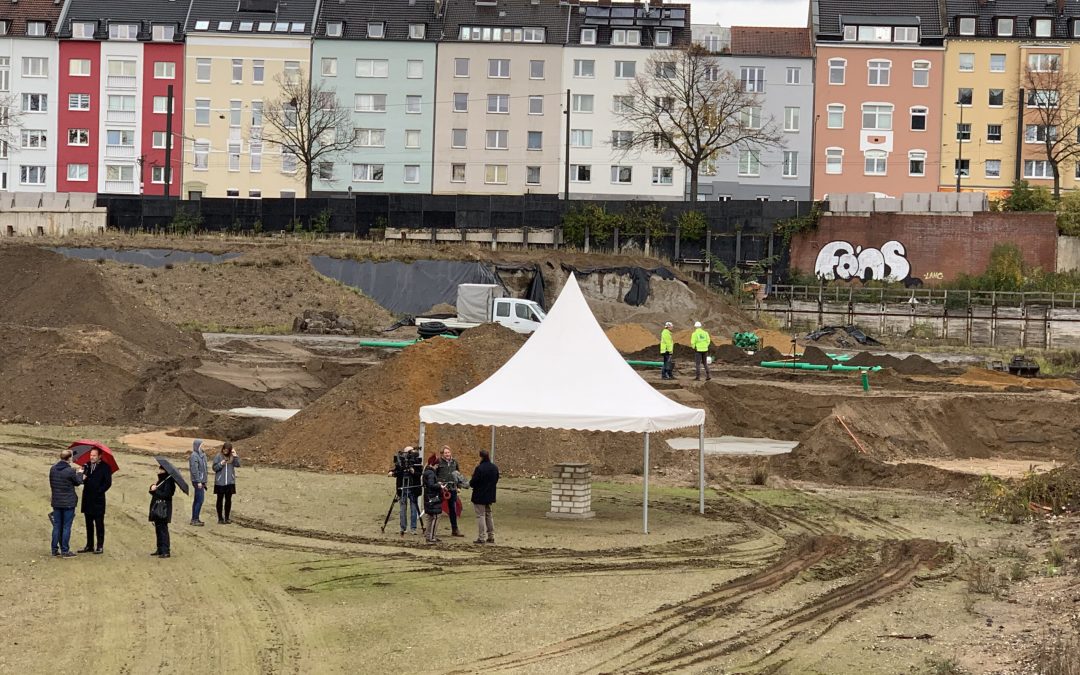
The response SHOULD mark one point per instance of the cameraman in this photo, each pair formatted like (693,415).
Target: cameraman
(408,467)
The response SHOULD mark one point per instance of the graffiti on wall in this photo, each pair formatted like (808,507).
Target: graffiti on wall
(842,260)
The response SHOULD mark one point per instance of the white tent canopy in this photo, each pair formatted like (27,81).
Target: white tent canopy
(568,375)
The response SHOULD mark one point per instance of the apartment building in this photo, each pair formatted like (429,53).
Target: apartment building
(379,58)
(608,46)
(499,95)
(117,62)
(992,135)
(28,95)
(237,52)
(776,65)
(878,96)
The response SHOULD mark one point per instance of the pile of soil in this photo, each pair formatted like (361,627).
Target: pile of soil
(982,377)
(767,411)
(728,353)
(682,353)
(776,339)
(910,365)
(817,357)
(358,425)
(632,337)
(769,354)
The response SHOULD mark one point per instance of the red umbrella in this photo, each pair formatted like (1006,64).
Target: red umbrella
(80,452)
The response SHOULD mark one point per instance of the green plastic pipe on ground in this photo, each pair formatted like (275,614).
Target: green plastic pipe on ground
(799,365)
(397,344)
(646,364)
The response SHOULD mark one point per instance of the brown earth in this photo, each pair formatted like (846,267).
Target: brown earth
(816,356)
(998,380)
(909,365)
(632,337)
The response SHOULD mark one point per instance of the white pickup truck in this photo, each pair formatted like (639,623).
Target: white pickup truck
(484,303)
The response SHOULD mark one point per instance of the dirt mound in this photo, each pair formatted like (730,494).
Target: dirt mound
(778,340)
(358,425)
(766,411)
(731,354)
(999,380)
(910,365)
(816,357)
(632,337)
(769,354)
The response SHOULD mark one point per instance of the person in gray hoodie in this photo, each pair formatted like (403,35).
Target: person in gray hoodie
(197,467)
(225,466)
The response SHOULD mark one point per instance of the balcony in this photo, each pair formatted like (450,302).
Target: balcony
(120,187)
(127,116)
(120,82)
(125,151)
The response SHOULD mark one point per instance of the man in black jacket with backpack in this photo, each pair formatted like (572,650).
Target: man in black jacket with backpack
(484,479)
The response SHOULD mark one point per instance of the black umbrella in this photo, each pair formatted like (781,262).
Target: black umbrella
(173,473)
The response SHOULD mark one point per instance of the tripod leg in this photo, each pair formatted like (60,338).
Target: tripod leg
(388,512)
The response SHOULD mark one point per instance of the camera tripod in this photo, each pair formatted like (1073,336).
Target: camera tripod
(397,500)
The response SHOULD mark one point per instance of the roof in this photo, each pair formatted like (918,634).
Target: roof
(763,41)
(17,14)
(281,18)
(629,15)
(568,375)
(1022,10)
(548,14)
(928,13)
(146,12)
(397,15)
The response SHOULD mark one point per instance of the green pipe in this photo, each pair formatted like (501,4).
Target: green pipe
(396,344)
(850,369)
(799,365)
(840,357)
(647,364)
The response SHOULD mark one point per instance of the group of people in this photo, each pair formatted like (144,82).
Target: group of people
(699,342)
(96,479)
(439,481)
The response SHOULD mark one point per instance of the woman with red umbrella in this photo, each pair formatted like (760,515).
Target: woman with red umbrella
(98,467)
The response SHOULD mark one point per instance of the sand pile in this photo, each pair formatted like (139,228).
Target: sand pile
(910,365)
(770,353)
(629,338)
(357,426)
(778,340)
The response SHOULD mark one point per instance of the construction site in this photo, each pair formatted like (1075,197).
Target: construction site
(869,506)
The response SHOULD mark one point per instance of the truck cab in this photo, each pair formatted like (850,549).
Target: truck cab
(522,316)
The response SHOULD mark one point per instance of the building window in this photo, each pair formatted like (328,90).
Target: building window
(372,68)
(963,131)
(918,118)
(461,102)
(202,70)
(498,68)
(536,70)
(414,70)
(835,116)
(498,139)
(157,140)
(663,175)
(1004,27)
(750,117)
(157,175)
(662,38)
(625,37)
(124,173)
(328,67)
(1042,28)
(625,69)
(532,175)
(32,103)
(498,103)
(581,103)
(963,96)
(966,25)
(417,31)
(412,139)
(412,173)
(837,71)
(917,163)
(121,138)
(258,71)
(794,75)
(123,31)
(78,172)
(906,34)
(588,36)
(879,73)
(620,138)
(236,115)
(161,104)
(79,67)
(78,137)
(877,117)
(875,163)
(920,73)
(791,119)
(35,66)
(1044,63)
(289,162)
(237,70)
(967,62)
(622,175)
(370,138)
(334,29)
(753,79)
(38,29)
(459,138)
(749,163)
(202,112)
(1038,168)
(371,103)
(582,138)
(1040,133)
(531,35)
(996,99)
(412,105)
(164,70)
(536,105)
(162,33)
(32,175)
(202,155)
(834,160)
(997,63)
(584,68)
(495,174)
(993,133)
(457,173)
(35,139)
(962,167)
(78,101)
(255,156)
(580,173)
(83,30)
(791,164)
(234,149)
(622,104)
(367,173)
(1042,98)
(461,67)
(993,168)
(375,29)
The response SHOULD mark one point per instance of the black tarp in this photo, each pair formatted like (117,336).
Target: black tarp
(639,288)
(536,286)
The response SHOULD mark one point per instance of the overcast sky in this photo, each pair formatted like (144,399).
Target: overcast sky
(750,13)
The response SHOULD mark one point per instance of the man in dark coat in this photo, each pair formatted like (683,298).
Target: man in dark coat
(97,479)
(448,466)
(62,482)
(484,479)
(162,491)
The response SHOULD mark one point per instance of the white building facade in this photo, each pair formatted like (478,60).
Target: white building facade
(28,89)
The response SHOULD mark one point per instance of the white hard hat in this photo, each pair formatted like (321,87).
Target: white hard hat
(668,324)
(697,324)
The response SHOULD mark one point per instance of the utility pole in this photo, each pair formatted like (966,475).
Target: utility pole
(566,162)
(168,140)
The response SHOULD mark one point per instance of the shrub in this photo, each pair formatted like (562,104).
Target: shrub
(691,225)
(1026,198)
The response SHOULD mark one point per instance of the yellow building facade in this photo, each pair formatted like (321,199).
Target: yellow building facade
(228,81)
(989,133)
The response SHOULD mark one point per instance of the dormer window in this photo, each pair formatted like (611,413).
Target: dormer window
(965,25)
(1076,28)
(532,35)
(588,36)
(202,25)
(123,31)
(1004,27)
(224,26)
(37,28)
(417,31)
(631,38)
(334,28)
(376,29)
(163,33)
(1042,28)
(3,27)
(662,38)
(906,34)
(83,30)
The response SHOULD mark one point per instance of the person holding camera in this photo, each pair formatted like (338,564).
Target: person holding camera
(161,494)
(97,479)
(448,466)
(484,479)
(408,467)
(433,498)
(225,466)
(62,482)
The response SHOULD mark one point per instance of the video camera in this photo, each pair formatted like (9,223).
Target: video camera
(408,466)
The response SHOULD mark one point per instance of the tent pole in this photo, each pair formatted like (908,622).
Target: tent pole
(493,444)
(701,469)
(645,509)
(420,439)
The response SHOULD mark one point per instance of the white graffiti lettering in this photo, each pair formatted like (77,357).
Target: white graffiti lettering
(841,260)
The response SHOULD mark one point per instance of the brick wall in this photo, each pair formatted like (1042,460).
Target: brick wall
(936,247)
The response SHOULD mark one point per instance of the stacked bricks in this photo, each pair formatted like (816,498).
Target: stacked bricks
(571,491)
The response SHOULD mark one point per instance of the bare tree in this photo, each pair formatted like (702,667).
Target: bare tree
(10,120)
(686,104)
(309,122)
(1052,114)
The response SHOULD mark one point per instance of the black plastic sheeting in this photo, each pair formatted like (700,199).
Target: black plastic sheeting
(536,286)
(859,336)
(640,288)
(147,257)
(406,288)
